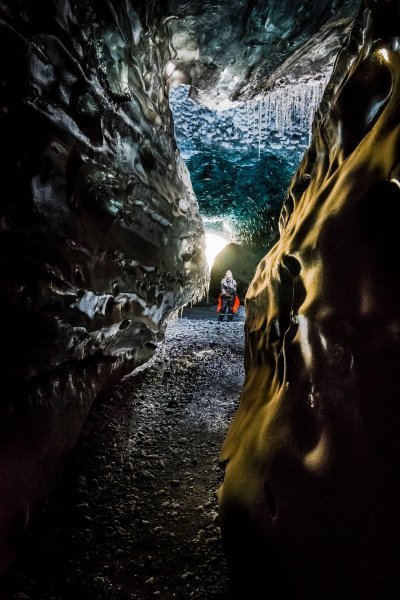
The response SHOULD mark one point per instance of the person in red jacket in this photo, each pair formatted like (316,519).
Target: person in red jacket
(227,297)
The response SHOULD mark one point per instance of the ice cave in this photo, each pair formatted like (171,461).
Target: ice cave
(149,448)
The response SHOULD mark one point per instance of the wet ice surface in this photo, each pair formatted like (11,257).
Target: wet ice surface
(135,513)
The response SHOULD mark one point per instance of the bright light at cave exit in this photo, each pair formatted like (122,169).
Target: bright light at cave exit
(214,244)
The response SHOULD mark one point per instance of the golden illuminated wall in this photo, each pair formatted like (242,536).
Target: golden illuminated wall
(310,501)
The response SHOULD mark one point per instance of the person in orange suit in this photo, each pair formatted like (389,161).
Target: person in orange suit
(227,297)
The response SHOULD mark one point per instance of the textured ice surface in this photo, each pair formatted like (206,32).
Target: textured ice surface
(230,49)
(101,237)
(280,119)
(241,159)
(310,501)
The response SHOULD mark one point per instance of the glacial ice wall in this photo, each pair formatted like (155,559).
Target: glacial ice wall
(253,45)
(309,506)
(101,238)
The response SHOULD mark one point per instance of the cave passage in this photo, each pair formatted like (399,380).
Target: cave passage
(241,157)
(111,435)
(135,512)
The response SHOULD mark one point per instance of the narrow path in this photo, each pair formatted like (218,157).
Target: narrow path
(135,515)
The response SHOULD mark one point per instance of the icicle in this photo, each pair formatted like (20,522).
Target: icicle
(283,116)
(290,109)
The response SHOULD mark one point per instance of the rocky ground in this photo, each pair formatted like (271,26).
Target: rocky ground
(135,513)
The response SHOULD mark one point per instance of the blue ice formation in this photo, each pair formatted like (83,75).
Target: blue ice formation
(241,159)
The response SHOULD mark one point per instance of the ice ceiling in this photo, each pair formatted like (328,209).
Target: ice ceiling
(257,84)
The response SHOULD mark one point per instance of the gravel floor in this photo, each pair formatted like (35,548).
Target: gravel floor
(134,515)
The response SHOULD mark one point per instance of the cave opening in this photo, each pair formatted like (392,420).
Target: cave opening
(241,157)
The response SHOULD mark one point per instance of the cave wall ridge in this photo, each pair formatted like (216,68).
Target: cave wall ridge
(312,456)
(101,239)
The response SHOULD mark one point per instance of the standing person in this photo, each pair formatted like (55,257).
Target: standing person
(228,295)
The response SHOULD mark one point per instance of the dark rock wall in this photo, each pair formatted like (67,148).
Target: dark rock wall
(100,233)
(310,502)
